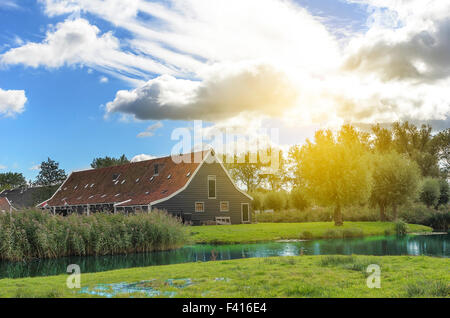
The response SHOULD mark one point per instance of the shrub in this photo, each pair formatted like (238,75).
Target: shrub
(401,228)
(298,199)
(38,234)
(444,192)
(306,235)
(275,201)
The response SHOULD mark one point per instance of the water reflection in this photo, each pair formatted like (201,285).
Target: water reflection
(433,245)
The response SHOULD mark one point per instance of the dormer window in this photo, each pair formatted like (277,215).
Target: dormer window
(115,176)
(155,169)
(188,174)
(151,179)
(137,180)
(168,177)
(123,181)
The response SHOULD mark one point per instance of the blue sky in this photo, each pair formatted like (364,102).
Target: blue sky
(74,110)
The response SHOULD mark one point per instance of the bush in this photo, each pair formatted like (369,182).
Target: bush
(38,234)
(401,228)
(333,234)
(306,235)
(275,201)
(444,192)
(352,232)
(298,200)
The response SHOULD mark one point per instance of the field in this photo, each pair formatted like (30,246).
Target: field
(250,233)
(297,276)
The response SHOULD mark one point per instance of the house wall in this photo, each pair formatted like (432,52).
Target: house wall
(184,202)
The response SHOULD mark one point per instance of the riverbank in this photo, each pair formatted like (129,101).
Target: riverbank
(251,233)
(296,276)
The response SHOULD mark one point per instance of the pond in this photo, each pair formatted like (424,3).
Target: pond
(432,245)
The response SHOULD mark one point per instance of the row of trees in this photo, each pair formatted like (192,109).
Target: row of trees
(383,167)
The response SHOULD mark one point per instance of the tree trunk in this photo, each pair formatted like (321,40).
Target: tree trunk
(394,209)
(338,216)
(382,214)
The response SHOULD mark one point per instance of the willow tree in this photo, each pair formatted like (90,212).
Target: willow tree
(395,180)
(335,169)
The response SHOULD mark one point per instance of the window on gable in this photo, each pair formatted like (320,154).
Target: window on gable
(224,206)
(199,207)
(211,187)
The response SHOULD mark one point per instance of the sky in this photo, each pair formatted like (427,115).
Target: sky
(81,79)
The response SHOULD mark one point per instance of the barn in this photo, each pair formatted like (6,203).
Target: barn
(195,187)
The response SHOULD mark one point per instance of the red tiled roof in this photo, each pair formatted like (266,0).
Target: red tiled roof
(4,205)
(134,183)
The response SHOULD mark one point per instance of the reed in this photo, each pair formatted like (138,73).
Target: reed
(37,234)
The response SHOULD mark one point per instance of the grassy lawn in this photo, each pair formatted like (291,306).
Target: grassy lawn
(296,276)
(249,233)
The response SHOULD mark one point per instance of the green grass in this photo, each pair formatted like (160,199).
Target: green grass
(249,233)
(296,276)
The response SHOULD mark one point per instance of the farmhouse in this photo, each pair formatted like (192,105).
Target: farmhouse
(194,187)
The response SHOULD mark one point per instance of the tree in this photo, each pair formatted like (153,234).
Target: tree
(418,144)
(50,174)
(247,169)
(258,200)
(395,180)
(441,144)
(382,141)
(430,192)
(444,192)
(275,176)
(336,171)
(298,199)
(11,180)
(108,162)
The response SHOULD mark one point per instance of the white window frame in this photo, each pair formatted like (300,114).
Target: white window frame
(212,177)
(195,207)
(228,206)
(242,212)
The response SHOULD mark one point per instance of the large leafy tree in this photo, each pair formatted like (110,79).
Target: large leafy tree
(335,169)
(395,180)
(50,174)
(11,180)
(109,162)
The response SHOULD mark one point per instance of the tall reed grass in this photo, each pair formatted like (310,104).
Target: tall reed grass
(37,234)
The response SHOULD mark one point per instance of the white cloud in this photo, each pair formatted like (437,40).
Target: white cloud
(12,102)
(142,157)
(77,42)
(219,60)
(150,131)
(103,79)
(2,167)
(35,167)
(9,4)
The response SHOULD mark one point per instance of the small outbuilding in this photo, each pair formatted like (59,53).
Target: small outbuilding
(195,187)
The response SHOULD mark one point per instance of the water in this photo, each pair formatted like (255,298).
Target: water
(432,245)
